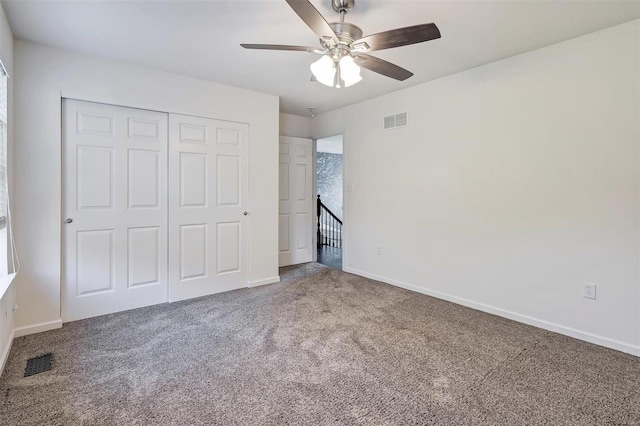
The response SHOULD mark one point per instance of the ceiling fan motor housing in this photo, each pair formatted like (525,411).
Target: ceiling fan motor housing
(347,33)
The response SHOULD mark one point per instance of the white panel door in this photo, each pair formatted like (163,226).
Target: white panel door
(295,227)
(208,206)
(115,209)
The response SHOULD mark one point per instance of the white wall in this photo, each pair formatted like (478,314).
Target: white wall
(8,299)
(513,184)
(43,76)
(294,125)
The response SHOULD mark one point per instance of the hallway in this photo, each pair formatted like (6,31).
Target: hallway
(330,256)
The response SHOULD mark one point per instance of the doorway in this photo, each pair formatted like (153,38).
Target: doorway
(329,178)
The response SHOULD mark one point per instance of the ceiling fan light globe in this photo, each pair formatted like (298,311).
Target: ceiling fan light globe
(349,71)
(324,70)
(353,81)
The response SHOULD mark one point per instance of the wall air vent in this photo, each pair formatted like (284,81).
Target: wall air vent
(398,120)
(389,122)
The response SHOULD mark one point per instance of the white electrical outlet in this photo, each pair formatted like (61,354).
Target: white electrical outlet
(589,290)
(379,251)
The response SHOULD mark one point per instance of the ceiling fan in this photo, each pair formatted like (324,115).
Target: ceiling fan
(343,47)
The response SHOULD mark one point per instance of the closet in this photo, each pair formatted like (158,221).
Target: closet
(155,207)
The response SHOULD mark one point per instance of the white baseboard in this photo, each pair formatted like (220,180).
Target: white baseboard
(5,354)
(37,328)
(557,328)
(264,281)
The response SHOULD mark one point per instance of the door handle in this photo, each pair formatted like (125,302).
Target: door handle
(246,213)
(69,220)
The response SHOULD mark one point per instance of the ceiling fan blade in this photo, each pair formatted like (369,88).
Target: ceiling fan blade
(382,67)
(282,47)
(312,18)
(400,37)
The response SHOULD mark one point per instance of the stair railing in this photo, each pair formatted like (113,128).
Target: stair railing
(329,227)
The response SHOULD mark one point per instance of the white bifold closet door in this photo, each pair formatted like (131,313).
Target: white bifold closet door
(208,206)
(295,227)
(155,208)
(115,209)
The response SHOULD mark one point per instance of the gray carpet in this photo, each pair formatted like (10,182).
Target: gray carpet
(321,347)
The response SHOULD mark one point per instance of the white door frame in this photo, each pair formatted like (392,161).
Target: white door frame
(314,189)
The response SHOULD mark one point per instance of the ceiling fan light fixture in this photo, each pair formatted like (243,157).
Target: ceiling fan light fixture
(349,71)
(324,70)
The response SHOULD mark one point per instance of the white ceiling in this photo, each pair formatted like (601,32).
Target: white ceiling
(201,38)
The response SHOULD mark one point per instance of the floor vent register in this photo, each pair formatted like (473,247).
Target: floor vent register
(38,365)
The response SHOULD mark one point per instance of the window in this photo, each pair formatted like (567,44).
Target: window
(3,149)
(4,196)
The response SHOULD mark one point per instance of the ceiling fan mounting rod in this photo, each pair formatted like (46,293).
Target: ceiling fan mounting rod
(342,6)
